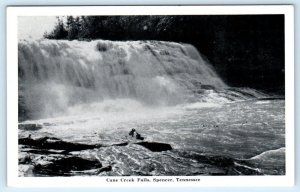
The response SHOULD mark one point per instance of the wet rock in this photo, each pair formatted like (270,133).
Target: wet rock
(220,161)
(208,87)
(138,136)
(105,169)
(48,124)
(25,170)
(25,160)
(246,170)
(271,98)
(155,147)
(54,143)
(120,144)
(46,152)
(30,127)
(66,166)
(223,165)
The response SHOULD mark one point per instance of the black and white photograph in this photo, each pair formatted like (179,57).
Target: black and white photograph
(150,95)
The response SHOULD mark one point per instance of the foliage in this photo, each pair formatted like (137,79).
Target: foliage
(59,31)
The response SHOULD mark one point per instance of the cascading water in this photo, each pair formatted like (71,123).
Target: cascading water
(78,101)
(56,75)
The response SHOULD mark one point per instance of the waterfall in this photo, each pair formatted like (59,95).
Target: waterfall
(57,74)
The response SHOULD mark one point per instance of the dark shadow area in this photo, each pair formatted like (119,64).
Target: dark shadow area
(155,147)
(226,165)
(65,166)
(54,143)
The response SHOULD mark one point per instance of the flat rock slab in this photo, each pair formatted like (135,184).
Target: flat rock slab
(54,143)
(155,147)
(30,127)
(65,166)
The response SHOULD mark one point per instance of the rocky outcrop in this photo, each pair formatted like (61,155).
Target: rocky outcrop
(30,127)
(65,166)
(54,143)
(155,147)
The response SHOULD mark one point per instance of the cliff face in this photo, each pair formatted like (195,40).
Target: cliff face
(246,50)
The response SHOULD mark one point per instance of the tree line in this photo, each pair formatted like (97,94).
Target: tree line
(110,27)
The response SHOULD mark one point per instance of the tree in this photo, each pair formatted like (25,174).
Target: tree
(73,27)
(59,31)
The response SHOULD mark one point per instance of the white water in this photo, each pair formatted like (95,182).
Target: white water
(247,131)
(95,92)
(55,76)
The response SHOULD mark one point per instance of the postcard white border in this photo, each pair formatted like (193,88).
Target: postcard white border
(208,181)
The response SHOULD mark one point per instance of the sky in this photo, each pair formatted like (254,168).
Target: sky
(35,27)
